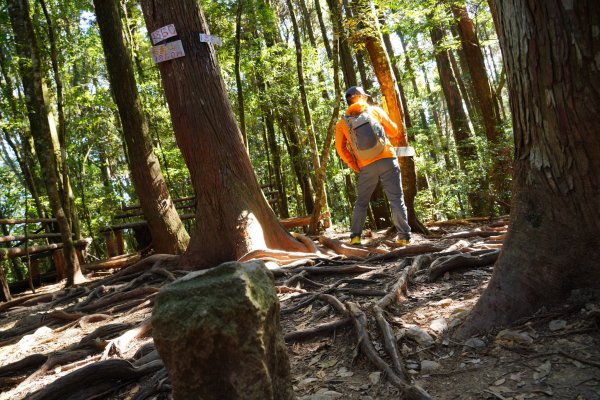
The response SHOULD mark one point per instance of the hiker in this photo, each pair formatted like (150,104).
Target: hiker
(361,140)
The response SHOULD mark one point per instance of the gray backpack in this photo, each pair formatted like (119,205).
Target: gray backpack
(367,136)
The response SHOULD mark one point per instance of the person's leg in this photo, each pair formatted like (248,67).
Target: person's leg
(367,180)
(391,181)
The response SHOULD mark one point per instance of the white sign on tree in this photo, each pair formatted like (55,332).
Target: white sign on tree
(167,51)
(163,33)
(211,39)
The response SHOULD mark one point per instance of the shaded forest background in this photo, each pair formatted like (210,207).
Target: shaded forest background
(461,130)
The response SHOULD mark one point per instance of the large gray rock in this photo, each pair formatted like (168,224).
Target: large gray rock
(218,334)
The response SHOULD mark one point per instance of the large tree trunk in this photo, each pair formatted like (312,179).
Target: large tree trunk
(168,232)
(232,215)
(32,75)
(550,50)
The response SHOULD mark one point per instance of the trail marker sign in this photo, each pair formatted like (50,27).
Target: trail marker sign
(210,39)
(167,51)
(163,33)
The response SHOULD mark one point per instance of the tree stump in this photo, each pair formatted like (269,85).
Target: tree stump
(218,333)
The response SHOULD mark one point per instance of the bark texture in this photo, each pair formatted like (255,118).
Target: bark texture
(168,232)
(551,52)
(232,215)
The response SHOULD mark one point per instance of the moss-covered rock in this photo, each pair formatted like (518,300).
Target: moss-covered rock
(218,333)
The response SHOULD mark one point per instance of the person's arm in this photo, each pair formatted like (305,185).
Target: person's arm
(389,126)
(341,145)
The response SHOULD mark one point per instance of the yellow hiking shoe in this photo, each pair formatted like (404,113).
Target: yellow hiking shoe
(355,240)
(403,239)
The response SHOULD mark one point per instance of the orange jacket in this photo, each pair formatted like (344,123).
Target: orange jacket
(342,136)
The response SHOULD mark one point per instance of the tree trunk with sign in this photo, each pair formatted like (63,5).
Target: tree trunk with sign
(168,233)
(232,215)
(552,248)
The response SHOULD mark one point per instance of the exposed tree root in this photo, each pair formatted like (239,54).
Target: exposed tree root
(360,324)
(352,269)
(276,255)
(287,289)
(119,262)
(156,385)
(97,374)
(406,252)
(18,302)
(53,361)
(389,339)
(32,361)
(349,251)
(119,345)
(316,331)
(469,234)
(167,261)
(311,247)
(117,297)
(481,258)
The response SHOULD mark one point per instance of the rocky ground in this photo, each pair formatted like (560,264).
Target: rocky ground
(50,338)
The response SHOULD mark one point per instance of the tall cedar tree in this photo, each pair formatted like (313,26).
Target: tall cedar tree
(232,215)
(550,50)
(31,71)
(168,232)
(483,92)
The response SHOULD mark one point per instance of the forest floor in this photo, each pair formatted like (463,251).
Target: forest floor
(53,345)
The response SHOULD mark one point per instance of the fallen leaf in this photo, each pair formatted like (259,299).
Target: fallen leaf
(542,371)
(306,382)
(499,381)
(329,363)
(443,302)
(375,377)
(577,364)
(315,360)
(439,325)
(509,337)
(500,389)
(516,376)
(557,325)
(344,373)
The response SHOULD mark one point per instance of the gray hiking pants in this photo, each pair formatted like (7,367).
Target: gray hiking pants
(388,170)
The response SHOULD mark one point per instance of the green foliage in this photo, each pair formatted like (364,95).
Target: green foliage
(98,164)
